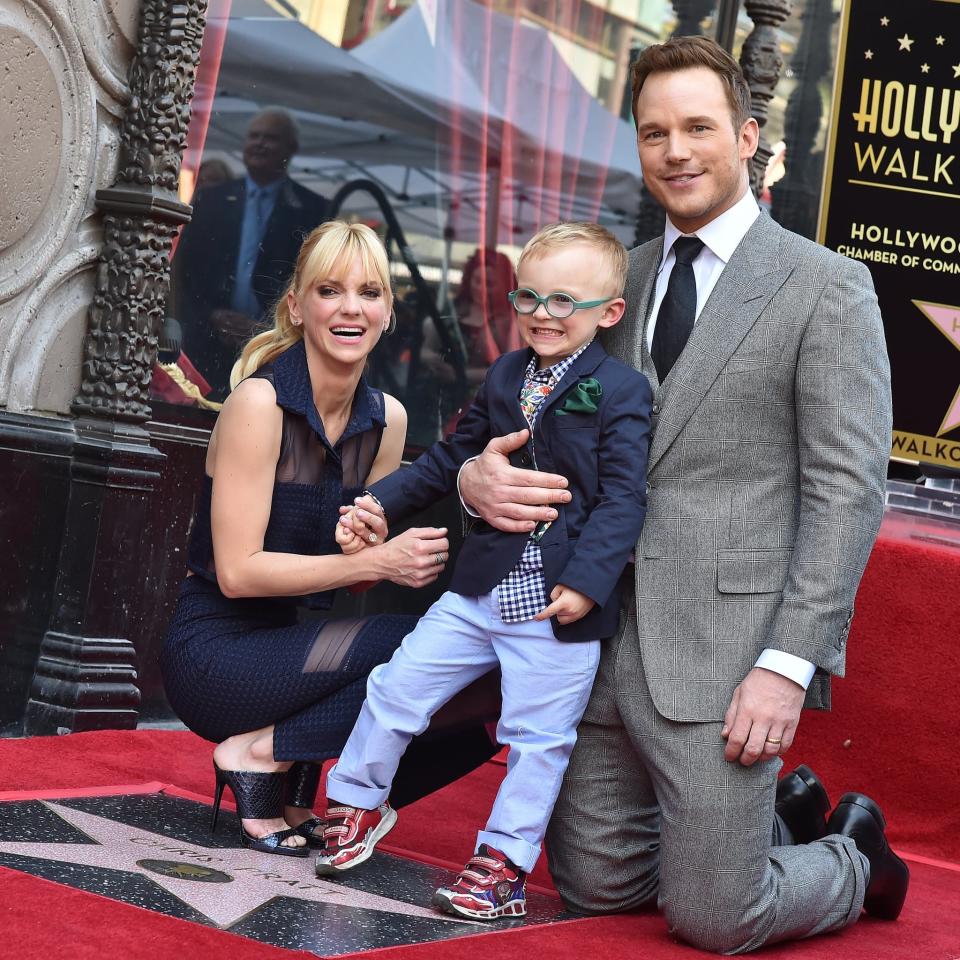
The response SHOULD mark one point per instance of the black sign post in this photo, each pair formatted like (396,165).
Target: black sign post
(892,199)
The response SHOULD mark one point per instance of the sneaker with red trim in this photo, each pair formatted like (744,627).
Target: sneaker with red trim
(489,887)
(351,835)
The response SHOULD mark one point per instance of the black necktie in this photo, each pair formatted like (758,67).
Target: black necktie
(678,309)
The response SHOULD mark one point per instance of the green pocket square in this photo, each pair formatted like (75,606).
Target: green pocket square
(582,398)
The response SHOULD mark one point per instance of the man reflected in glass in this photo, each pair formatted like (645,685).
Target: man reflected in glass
(238,251)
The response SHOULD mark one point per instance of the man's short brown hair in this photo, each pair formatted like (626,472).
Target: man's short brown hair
(685,53)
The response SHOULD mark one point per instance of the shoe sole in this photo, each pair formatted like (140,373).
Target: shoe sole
(379,832)
(816,788)
(516,908)
(859,800)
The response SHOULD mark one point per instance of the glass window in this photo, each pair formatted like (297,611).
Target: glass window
(455,128)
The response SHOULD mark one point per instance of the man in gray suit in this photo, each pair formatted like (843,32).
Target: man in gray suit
(772,422)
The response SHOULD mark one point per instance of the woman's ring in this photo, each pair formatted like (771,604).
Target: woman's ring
(438,558)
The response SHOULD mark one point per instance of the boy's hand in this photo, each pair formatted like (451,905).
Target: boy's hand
(568,605)
(348,540)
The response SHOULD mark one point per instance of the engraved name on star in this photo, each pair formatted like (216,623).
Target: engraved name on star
(906,42)
(257,878)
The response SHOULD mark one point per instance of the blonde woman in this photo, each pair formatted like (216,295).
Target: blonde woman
(301,435)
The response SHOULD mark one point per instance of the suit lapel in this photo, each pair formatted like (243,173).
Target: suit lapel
(749,281)
(627,341)
(506,392)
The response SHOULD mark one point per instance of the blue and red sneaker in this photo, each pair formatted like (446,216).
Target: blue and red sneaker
(488,887)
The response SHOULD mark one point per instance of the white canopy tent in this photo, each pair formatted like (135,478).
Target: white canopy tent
(385,113)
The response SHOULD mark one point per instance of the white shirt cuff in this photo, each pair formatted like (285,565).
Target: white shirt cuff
(464,504)
(787,665)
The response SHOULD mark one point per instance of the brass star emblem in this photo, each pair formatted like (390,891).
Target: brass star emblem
(868,54)
(884,21)
(925,68)
(941,41)
(906,42)
(956,71)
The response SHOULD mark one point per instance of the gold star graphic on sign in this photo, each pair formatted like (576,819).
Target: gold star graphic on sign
(941,41)
(906,42)
(884,21)
(925,68)
(868,54)
(956,71)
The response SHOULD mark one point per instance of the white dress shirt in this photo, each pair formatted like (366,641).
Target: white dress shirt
(720,238)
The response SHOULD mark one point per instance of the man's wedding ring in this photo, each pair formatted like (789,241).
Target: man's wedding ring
(438,558)
(774,740)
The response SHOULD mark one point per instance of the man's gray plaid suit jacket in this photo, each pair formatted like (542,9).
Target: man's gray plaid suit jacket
(767,468)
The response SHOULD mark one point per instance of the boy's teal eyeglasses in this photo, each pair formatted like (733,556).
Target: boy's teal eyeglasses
(558,305)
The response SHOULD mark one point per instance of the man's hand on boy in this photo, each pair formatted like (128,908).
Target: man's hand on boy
(510,498)
(568,605)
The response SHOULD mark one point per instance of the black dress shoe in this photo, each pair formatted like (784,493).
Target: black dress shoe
(803,804)
(858,817)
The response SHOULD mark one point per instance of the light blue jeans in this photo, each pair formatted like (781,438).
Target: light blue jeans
(545,687)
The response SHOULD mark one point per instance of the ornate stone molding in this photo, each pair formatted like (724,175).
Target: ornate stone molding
(762,65)
(48,119)
(142,214)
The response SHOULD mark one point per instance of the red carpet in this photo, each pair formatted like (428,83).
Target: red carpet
(890,734)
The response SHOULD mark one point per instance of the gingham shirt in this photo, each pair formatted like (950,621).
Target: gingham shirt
(522,593)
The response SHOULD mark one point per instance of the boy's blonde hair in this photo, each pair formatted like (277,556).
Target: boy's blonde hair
(554,236)
(328,251)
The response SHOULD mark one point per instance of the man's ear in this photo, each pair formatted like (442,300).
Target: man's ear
(749,138)
(612,312)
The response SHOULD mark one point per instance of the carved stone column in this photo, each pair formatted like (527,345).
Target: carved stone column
(796,196)
(86,674)
(762,65)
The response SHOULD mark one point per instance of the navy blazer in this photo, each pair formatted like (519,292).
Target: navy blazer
(603,455)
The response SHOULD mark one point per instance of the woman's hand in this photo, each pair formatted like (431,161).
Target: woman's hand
(416,557)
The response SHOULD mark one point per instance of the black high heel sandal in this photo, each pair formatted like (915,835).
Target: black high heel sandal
(259,796)
(300,790)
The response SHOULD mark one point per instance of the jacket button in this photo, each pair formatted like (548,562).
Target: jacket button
(656,408)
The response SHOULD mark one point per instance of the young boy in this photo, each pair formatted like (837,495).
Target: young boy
(589,420)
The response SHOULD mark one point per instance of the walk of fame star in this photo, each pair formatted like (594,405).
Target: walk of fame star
(947,320)
(154,850)
(177,867)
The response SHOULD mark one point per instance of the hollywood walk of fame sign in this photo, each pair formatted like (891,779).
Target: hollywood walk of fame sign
(154,851)
(892,200)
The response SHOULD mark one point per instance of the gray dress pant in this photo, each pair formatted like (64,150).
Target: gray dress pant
(650,811)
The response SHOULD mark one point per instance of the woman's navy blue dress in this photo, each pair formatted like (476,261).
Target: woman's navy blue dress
(231,666)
